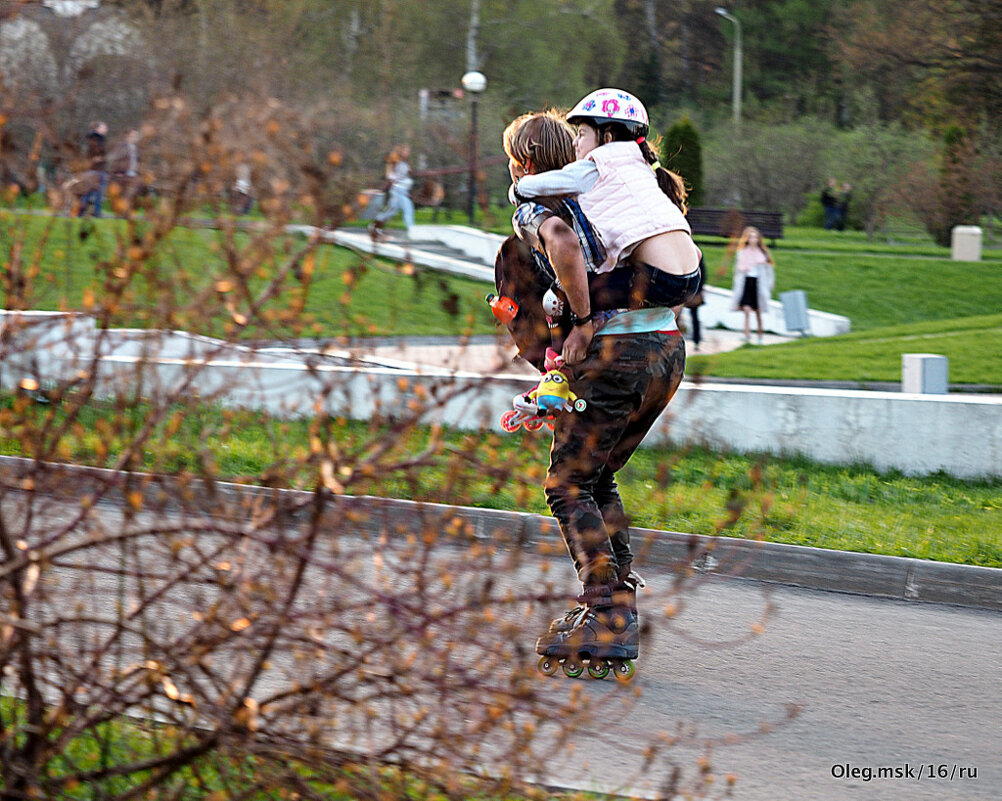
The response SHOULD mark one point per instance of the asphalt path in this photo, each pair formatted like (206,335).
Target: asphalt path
(895,700)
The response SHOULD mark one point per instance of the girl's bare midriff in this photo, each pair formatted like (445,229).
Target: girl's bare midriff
(672,252)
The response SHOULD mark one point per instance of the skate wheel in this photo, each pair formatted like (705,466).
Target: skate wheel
(624,671)
(508,422)
(533,425)
(598,670)
(548,665)
(573,668)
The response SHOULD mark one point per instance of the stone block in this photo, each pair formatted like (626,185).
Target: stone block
(965,243)
(924,373)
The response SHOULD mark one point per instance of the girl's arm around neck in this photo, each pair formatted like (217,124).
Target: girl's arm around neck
(572,179)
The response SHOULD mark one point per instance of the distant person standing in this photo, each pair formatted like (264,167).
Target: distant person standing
(754,277)
(97,156)
(829,202)
(399,182)
(693,305)
(124,164)
(242,193)
(132,153)
(843,206)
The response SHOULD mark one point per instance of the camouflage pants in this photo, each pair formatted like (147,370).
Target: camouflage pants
(627,381)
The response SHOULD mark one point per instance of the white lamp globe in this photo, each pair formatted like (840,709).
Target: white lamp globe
(474,82)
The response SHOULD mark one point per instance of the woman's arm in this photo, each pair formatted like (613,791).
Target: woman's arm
(563,250)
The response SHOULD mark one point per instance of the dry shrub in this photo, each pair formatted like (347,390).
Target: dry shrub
(306,630)
(961,189)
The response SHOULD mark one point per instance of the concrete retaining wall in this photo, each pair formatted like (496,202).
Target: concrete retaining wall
(477,246)
(916,434)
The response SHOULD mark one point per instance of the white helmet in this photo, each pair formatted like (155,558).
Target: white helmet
(611,105)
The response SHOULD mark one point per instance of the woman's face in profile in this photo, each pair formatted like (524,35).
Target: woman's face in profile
(515,170)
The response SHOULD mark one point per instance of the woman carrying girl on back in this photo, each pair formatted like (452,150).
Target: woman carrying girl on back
(626,363)
(636,206)
(753,278)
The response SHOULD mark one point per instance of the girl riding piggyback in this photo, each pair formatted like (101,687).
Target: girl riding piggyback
(636,206)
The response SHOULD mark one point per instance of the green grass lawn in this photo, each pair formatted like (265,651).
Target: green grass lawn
(875,290)
(972,344)
(907,304)
(779,500)
(911,241)
(349,295)
(897,303)
(225,772)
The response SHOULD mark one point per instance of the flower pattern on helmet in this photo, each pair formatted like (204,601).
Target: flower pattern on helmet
(612,104)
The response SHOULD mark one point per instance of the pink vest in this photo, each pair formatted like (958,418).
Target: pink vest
(626,205)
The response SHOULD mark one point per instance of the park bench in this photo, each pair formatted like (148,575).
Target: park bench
(730,222)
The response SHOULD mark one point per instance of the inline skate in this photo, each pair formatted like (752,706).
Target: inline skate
(524,412)
(626,593)
(604,637)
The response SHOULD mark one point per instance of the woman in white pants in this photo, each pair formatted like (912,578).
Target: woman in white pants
(398,195)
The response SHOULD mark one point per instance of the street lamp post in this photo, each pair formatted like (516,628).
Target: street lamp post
(473,82)
(736,86)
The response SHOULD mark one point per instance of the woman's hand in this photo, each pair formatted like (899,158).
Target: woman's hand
(577,342)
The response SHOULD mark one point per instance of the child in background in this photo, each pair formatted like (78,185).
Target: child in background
(753,278)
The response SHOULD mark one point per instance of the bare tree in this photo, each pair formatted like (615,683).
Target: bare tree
(945,59)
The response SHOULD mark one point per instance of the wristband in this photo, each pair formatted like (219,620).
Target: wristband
(582,320)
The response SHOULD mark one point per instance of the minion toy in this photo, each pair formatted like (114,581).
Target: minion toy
(553,394)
